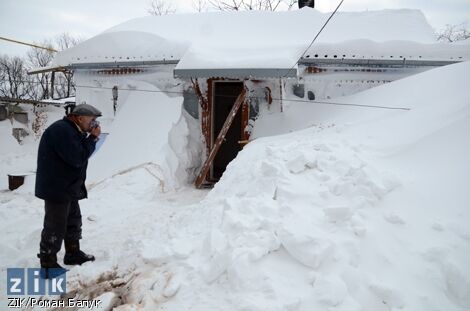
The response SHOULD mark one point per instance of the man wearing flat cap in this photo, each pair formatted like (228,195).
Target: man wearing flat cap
(63,155)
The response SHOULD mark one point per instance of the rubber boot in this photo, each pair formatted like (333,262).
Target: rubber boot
(49,266)
(73,254)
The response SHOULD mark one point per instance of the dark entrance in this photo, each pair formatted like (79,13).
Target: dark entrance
(225,95)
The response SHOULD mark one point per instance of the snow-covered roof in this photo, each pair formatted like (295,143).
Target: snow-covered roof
(122,46)
(251,39)
(387,51)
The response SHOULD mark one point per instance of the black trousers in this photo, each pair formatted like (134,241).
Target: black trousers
(62,221)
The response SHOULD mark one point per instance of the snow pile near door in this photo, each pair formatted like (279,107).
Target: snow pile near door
(368,213)
(149,128)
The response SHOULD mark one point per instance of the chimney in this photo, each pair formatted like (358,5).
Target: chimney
(309,3)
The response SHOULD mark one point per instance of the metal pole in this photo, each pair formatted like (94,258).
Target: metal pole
(29,44)
(52,84)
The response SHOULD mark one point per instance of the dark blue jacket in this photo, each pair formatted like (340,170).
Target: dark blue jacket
(62,162)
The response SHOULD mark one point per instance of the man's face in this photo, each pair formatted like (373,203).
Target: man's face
(85,122)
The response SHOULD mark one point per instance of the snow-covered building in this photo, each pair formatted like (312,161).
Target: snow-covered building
(253,61)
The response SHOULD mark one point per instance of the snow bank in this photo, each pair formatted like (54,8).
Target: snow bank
(141,133)
(316,219)
(430,109)
(184,149)
(296,202)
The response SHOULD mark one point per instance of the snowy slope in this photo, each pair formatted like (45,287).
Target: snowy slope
(368,209)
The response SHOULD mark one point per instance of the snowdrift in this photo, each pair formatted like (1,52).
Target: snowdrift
(365,210)
(142,133)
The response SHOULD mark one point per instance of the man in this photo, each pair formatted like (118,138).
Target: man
(63,155)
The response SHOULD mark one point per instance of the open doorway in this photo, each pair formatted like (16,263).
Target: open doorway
(225,94)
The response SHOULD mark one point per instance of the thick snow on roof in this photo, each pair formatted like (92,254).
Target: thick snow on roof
(209,56)
(297,26)
(261,39)
(121,46)
(368,49)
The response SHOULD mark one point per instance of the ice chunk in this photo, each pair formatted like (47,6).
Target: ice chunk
(309,250)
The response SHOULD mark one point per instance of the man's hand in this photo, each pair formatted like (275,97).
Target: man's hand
(96,131)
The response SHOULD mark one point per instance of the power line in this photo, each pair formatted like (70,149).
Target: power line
(258,97)
(315,38)
(235,96)
(29,44)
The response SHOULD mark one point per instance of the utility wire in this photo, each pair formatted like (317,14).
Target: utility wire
(251,97)
(29,44)
(315,38)
(235,96)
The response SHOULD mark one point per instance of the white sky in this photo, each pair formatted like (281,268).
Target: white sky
(36,20)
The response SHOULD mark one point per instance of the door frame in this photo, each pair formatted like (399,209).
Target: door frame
(244,117)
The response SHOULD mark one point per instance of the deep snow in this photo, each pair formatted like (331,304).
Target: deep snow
(329,208)
(260,39)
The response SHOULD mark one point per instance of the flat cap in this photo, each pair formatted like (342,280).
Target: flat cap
(86,110)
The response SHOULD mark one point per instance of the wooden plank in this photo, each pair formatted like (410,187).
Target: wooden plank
(220,138)
(28,101)
(245,135)
(205,111)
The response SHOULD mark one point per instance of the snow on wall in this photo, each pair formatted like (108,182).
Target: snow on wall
(337,81)
(145,130)
(95,88)
(401,93)
(185,149)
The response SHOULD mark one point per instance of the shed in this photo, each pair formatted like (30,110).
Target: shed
(235,63)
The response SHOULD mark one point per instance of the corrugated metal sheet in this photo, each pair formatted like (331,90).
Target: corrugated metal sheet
(237,73)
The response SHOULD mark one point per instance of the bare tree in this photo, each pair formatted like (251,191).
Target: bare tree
(452,33)
(65,41)
(38,58)
(161,7)
(64,85)
(200,5)
(261,5)
(14,79)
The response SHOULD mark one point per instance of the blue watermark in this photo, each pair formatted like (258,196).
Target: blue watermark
(33,281)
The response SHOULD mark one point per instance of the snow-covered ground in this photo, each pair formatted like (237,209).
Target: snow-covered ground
(330,208)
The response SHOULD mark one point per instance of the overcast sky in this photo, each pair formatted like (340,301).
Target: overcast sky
(35,20)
